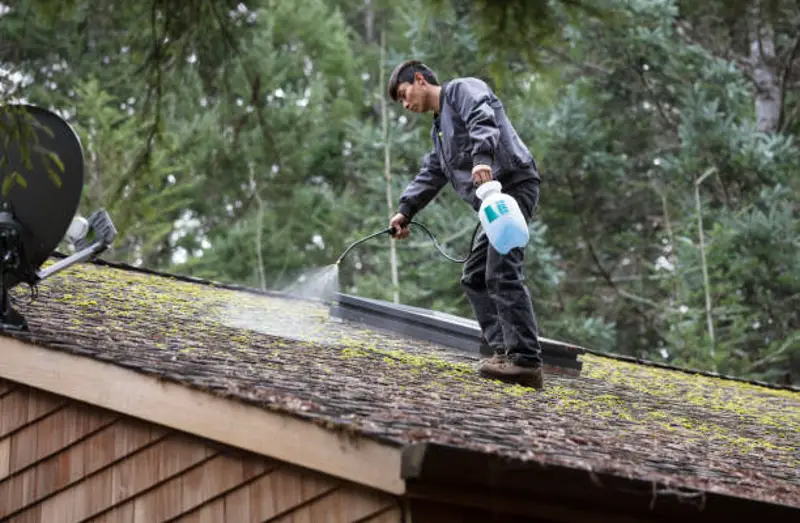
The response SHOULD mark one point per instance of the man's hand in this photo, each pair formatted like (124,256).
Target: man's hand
(400,224)
(481,174)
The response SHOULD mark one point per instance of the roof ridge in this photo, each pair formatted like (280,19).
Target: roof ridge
(124,266)
(252,290)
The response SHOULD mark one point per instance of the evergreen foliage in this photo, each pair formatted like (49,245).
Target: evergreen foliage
(243,141)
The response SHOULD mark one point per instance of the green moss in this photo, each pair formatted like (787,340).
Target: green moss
(349,352)
(749,402)
(198,323)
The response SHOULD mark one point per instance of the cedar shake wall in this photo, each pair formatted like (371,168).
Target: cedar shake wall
(62,461)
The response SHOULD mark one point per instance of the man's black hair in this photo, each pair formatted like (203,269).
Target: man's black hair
(405,73)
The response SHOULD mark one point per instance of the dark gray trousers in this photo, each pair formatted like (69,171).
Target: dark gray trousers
(495,286)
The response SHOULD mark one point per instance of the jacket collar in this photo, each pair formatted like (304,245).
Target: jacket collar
(441,100)
(437,116)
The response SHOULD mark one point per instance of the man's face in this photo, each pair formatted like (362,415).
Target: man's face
(412,94)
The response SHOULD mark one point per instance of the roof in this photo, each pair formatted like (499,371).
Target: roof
(289,355)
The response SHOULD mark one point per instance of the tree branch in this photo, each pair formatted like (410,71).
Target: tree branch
(605,274)
(791,118)
(687,32)
(156,86)
(255,81)
(587,67)
(673,126)
(772,356)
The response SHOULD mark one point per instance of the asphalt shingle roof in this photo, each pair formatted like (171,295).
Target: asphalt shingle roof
(618,417)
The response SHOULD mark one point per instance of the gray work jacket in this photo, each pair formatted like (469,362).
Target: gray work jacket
(471,128)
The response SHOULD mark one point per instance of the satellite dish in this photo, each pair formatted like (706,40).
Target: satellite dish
(41,180)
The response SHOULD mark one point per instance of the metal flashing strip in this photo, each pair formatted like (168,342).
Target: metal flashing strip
(445,329)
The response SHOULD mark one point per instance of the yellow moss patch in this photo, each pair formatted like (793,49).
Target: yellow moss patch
(749,402)
(632,401)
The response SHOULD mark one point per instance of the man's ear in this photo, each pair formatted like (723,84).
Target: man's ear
(420,78)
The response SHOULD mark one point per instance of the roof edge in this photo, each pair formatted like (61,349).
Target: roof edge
(456,474)
(234,423)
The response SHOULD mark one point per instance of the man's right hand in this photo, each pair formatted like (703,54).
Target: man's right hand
(399,223)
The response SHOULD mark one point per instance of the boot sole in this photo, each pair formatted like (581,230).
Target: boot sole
(527,381)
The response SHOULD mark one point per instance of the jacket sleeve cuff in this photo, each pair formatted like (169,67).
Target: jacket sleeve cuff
(482,159)
(406,210)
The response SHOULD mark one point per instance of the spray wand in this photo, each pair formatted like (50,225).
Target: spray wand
(392,231)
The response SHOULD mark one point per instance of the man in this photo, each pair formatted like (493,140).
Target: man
(474,142)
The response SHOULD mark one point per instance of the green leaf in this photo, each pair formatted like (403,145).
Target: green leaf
(54,177)
(10,179)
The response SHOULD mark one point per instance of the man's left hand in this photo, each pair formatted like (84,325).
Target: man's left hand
(481,174)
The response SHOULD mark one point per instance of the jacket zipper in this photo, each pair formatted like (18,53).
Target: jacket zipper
(442,159)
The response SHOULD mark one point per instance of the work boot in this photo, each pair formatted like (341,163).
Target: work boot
(504,370)
(494,360)
(485,350)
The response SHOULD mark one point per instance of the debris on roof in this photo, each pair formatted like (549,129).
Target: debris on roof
(285,354)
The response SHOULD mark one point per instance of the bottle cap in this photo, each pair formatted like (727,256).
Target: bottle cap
(488,188)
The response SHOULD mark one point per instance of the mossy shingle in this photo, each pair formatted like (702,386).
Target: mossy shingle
(287,354)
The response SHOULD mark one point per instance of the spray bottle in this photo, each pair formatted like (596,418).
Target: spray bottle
(501,218)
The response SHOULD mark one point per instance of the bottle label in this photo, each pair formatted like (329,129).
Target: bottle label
(496,210)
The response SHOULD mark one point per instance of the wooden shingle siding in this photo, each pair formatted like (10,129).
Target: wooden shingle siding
(62,461)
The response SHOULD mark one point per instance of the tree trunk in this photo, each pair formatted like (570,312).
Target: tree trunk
(388,175)
(262,277)
(765,71)
(369,21)
(704,263)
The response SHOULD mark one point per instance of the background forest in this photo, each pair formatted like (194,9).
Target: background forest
(252,141)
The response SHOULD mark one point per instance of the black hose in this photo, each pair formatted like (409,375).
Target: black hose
(388,230)
(391,232)
(439,247)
